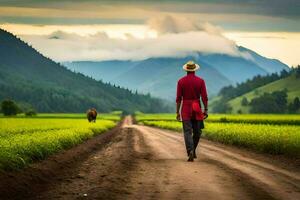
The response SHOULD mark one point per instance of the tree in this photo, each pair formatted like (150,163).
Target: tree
(297,103)
(275,102)
(221,107)
(297,71)
(294,106)
(284,73)
(281,99)
(9,107)
(263,104)
(244,101)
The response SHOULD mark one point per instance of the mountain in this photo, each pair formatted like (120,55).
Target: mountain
(32,79)
(158,76)
(291,83)
(106,70)
(269,65)
(235,69)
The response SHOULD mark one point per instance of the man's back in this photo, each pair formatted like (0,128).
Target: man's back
(191,87)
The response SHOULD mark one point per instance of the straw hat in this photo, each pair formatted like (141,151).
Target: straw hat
(190,66)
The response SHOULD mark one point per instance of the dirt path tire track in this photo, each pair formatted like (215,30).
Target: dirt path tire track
(256,178)
(141,162)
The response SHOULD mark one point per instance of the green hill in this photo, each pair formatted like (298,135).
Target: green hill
(30,78)
(291,83)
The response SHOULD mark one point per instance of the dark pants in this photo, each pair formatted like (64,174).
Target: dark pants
(192,132)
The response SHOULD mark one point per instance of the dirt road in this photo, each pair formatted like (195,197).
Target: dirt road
(148,163)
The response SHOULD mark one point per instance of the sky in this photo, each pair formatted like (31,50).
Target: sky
(66,30)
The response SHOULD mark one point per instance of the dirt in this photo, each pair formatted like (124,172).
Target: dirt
(138,162)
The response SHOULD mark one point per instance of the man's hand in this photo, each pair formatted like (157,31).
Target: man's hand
(178,117)
(205,114)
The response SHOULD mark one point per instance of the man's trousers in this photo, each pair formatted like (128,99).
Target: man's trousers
(192,131)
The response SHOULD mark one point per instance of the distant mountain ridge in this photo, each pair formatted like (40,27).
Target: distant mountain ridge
(158,76)
(32,79)
(269,65)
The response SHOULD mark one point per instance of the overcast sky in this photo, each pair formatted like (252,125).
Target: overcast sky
(101,30)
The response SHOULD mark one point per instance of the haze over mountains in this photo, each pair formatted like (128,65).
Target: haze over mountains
(35,81)
(158,76)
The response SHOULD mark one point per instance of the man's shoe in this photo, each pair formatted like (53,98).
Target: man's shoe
(191,156)
(195,156)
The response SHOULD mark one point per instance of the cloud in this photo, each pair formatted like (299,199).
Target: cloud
(174,24)
(176,37)
(60,35)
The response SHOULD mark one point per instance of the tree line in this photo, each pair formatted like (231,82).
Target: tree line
(230,92)
(274,102)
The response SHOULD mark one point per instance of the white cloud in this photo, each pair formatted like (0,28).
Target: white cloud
(174,24)
(176,37)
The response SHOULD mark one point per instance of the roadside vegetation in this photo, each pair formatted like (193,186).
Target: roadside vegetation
(114,116)
(274,134)
(274,119)
(24,140)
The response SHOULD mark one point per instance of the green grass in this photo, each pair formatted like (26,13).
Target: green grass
(160,116)
(291,83)
(24,140)
(275,119)
(115,116)
(272,139)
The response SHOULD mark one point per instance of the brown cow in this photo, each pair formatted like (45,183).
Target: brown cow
(91,115)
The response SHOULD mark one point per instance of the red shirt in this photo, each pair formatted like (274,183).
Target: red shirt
(189,90)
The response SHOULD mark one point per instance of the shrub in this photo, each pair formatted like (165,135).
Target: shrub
(223,119)
(30,113)
(9,108)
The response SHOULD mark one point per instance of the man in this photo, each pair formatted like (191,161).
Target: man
(188,108)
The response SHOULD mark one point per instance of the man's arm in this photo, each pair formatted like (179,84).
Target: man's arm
(178,107)
(178,100)
(204,97)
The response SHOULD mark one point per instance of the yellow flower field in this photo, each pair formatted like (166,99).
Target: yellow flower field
(23,140)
